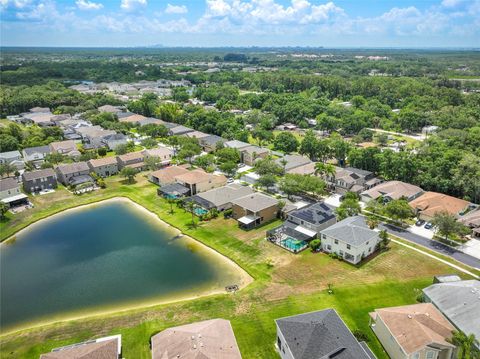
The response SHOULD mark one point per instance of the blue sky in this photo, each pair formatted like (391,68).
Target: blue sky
(336,23)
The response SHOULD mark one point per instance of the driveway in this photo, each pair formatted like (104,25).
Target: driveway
(432,245)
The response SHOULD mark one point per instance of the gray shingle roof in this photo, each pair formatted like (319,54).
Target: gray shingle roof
(39,149)
(459,302)
(351,230)
(30,176)
(316,213)
(73,167)
(222,195)
(293,161)
(320,335)
(8,183)
(211,140)
(255,202)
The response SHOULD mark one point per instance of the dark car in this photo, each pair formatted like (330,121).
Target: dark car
(419,223)
(428,225)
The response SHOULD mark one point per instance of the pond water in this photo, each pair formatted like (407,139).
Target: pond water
(104,257)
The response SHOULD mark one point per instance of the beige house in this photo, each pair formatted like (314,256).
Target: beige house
(67,148)
(251,153)
(104,167)
(255,209)
(167,175)
(430,203)
(133,160)
(164,154)
(392,190)
(417,331)
(209,339)
(200,181)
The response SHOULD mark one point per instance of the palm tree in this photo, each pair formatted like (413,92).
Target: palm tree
(171,201)
(466,345)
(190,206)
(325,170)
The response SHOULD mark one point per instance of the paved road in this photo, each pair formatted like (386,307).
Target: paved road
(433,245)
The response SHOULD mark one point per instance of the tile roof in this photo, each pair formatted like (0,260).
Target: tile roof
(416,326)
(471,219)
(393,189)
(30,176)
(255,202)
(459,302)
(320,335)
(430,203)
(209,339)
(352,230)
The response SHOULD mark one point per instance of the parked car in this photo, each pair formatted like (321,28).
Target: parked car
(230,180)
(240,165)
(428,225)
(420,223)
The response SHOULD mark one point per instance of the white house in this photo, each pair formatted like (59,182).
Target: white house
(350,238)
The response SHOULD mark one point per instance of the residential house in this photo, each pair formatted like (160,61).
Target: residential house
(114,140)
(392,190)
(167,175)
(236,144)
(210,143)
(104,167)
(42,119)
(164,154)
(472,220)
(133,160)
(254,209)
(209,339)
(431,203)
(150,121)
(289,162)
(251,153)
(221,198)
(459,302)
(35,154)
(196,134)
(179,130)
(110,109)
(39,180)
(200,181)
(318,335)
(129,117)
(12,157)
(173,191)
(302,225)
(350,239)
(67,173)
(10,193)
(417,331)
(94,136)
(306,169)
(66,148)
(102,348)
(351,179)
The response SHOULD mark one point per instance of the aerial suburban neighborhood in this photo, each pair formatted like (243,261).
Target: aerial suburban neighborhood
(243,183)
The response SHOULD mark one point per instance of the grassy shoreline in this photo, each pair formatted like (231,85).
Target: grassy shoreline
(285,284)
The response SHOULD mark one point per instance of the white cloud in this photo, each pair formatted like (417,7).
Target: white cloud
(88,5)
(18,4)
(131,5)
(176,9)
(451,3)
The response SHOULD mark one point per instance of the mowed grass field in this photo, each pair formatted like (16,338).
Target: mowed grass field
(285,284)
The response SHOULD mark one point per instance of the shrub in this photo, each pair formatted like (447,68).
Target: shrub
(315,245)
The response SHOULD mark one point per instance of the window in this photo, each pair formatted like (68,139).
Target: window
(324,236)
(336,241)
(348,246)
(279,343)
(416,356)
(431,354)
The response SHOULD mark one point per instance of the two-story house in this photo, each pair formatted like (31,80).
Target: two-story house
(350,239)
(36,181)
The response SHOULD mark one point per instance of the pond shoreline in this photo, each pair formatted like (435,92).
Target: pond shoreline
(244,278)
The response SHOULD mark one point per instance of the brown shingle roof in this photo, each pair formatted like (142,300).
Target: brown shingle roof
(131,156)
(430,203)
(133,118)
(8,183)
(416,326)
(209,339)
(167,175)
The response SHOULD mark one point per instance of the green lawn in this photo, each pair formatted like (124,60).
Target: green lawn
(285,284)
